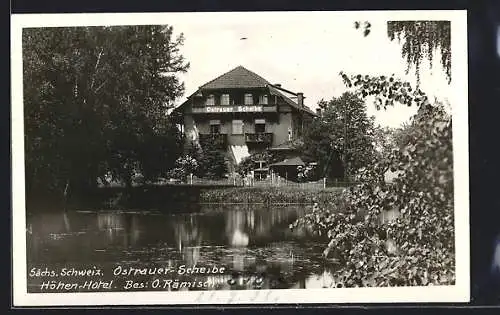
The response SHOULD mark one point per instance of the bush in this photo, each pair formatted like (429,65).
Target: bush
(184,166)
(213,162)
(307,173)
(213,165)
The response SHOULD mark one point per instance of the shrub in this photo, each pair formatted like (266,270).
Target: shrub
(307,173)
(184,166)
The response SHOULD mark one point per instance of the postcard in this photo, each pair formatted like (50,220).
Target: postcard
(240,158)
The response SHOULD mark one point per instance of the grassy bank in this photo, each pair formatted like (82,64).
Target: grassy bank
(270,195)
(162,197)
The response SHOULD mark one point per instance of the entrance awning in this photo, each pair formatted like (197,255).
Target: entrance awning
(295,161)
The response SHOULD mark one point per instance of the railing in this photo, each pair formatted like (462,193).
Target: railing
(261,137)
(217,139)
(281,182)
(230,181)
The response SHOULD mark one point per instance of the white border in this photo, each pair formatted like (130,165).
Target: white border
(457,293)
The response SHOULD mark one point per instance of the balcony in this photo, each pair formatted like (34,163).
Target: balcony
(261,137)
(218,140)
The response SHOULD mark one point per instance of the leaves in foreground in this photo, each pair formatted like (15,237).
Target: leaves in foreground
(402,233)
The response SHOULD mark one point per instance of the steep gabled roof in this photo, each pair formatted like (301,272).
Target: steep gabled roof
(275,91)
(239,77)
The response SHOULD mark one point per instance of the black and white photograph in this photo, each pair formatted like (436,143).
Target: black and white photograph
(240,158)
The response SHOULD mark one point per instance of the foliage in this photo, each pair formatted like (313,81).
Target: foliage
(213,163)
(384,141)
(95,101)
(366,26)
(327,197)
(307,173)
(420,40)
(404,135)
(417,246)
(386,90)
(342,118)
(248,163)
(184,166)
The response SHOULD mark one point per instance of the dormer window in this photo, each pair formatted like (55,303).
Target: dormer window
(248,99)
(263,100)
(210,100)
(224,99)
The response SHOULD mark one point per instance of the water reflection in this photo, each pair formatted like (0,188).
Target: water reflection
(253,243)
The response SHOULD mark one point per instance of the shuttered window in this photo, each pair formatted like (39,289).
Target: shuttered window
(237,127)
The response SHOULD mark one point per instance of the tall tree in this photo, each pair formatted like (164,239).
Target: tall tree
(95,101)
(341,140)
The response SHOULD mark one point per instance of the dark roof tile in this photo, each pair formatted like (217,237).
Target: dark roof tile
(239,77)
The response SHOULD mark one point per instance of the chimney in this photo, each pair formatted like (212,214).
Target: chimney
(300,99)
(318,112)
(277,85)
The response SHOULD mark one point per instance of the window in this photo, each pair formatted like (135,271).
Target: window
(260,125)
(210,100)
(214,129)
(237,127)
(263,100)
(290,134)
(224,99)
(248,99)
(215,126)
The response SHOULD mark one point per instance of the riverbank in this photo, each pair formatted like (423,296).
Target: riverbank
(270,195)
(163,197)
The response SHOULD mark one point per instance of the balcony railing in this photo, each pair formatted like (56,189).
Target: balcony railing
(260,137)
(218,140)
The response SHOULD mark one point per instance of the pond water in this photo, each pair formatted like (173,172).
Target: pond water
(202,247)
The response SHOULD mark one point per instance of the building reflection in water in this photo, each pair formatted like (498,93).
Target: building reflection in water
(250,241)
(119,227)
(189,238)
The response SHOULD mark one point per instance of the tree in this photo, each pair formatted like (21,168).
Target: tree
(420,40)
(342,137)
(417,246)
(384,141)
(184,166)
(249,163)
(95,101)
(213,163)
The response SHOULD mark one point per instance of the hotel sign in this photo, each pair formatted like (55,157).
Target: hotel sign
(234,109)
